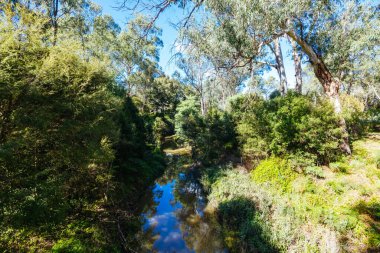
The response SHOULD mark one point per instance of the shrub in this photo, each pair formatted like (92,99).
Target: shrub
(339,167)
(275,171)
(300,126)
(188,121)
(300,160)
(353,113)
(218,140)
(160,129)
(289,125)
(373,118)
(251,116)
(314,171)
(69,245)
(212,137)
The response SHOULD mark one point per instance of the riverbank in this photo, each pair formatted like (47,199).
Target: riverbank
(325,209)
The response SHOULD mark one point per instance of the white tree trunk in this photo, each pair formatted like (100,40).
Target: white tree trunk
(280,67)
(297,67)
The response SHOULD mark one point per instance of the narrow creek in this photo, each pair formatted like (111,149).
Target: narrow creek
(176,221)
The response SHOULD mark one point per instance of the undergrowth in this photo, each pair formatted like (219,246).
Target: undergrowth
(321,209)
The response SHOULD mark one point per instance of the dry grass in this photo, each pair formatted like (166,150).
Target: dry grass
(184,151)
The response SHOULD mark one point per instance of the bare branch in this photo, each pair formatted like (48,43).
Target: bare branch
(192,11)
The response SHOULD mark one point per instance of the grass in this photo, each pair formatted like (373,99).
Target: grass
(184,151)
(324,209)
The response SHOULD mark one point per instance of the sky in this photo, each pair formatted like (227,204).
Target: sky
(169,35)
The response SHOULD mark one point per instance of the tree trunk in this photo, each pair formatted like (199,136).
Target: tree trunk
(54,19)
(203,105)
(280,67)
(297,67)
(330,85)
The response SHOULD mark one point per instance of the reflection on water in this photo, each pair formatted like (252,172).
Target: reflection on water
(176,221)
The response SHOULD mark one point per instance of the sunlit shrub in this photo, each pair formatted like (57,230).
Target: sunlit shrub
(252,117)
(354,114)
(275,171)
(289,125)
(68,245)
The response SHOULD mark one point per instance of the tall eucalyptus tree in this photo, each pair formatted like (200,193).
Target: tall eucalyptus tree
(253,24)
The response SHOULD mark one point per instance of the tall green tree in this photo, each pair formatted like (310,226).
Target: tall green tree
(68,134)
(251,25)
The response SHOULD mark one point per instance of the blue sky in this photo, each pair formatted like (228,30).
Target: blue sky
(169,35)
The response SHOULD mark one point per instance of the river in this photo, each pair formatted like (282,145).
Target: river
(176,220)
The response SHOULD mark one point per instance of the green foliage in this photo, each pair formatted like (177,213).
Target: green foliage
(373,118)
(135,164)
(290,125)
(73,146)
(211,174)
(70,245)
(338,208)
(187,119)
(339,167)
(253,125)
(160,101)
(164,96)
(355,116)
(314,171)
(274,171)
(212,137)
(160,131)
(82,236)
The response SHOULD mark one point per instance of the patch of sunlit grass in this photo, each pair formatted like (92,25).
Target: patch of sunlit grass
(185,151)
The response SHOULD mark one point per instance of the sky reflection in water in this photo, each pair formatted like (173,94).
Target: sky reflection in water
(177,223)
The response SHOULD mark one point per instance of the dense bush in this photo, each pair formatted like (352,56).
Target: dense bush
(188,121)
(355,116)
(289,125)
(373,118)
(252,125)
(212,136)
(135,163)
(63,121)
(159,103)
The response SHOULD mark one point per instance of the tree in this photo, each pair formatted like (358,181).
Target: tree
(69,135)
(305,22)
(297,67)
(280,66)
(137,56)
(197,71)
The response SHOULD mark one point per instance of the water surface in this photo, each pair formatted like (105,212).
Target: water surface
(176,221)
